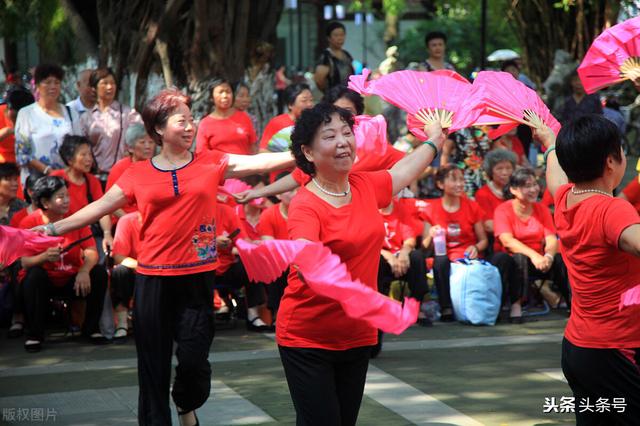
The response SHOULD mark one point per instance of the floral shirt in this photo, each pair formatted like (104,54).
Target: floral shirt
(471,146)
(262,92)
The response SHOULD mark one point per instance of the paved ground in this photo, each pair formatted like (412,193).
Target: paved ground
(450,374)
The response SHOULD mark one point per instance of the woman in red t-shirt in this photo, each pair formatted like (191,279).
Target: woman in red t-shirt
(226,129)
(176,194)
(600,241)
(325,354)
(525,229)
(70,270)
(140,147)
(461,220)
(82,185)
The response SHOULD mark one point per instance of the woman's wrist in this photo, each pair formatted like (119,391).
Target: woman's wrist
(433,146)
(50,229)
(549,255)
(547,152)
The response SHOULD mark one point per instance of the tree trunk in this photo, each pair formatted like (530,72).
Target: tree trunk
(84,39)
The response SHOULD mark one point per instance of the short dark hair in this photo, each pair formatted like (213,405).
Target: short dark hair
(434,35)
(239,85)
(584,144)
(9,170)
(44,71)
(156,112)
(518,179)
(306,128)
(70,145)
(445,171)
(18,98)
(509,63)
(339,92)
(45,187)
(99,74)
(29,184)
(331,26)
(293,91)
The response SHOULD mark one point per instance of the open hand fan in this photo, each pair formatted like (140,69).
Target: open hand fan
(503,96)
(327,276)
(614,56)
(429,96)
(360,83)
(371,134)
(16,243)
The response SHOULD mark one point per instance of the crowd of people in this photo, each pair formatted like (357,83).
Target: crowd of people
(149,227)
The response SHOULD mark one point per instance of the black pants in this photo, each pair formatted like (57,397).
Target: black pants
(326,386)
(37,289)
(512,284)
(416,276)
(602,373)
(236,277)
(275,290)
(123,280)
(441,278)
(169,308)
(558,273)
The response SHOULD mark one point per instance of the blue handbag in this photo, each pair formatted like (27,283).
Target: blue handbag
(476,291)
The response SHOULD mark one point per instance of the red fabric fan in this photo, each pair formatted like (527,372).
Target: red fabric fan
(614,56)
(371,134)
(326,275)
(501,95)
(427,96)
(16,243)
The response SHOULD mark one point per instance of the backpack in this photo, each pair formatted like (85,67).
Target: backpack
(476,291)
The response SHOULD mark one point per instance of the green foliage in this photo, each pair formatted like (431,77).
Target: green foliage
(394,7)
(460,21)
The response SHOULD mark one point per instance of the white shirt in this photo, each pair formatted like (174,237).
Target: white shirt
(78,106)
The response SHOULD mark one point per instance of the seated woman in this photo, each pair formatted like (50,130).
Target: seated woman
(498,165)
(526,230)
(461,220)
(123,277)
(70,270)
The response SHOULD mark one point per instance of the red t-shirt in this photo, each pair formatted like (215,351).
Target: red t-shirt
(62,271)
(547,199)
(233,135)
(273,224)
(530,232)
(408,210)
(78,193)
(7,145)
(178,208)
(251,232)
(18,216)
(355,233)
(126,242)
(489,202)
(116,171)
(396,231)
(599,271)
(277,134)
(632,192)
(365,162)
(227,222)
(458,225)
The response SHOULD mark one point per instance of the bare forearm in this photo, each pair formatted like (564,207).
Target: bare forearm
(112,200)
(246,165)
(90,260)
(31,261)
(515,246)
(555,175)
(287,183)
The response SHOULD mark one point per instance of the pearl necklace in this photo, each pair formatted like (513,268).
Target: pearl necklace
(333,194)
(584,191)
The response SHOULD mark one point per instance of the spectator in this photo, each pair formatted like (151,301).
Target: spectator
(86,99)
(523,77)
(249,214)
(611,112)
(461,220)
(140,147)
(106,124)
(578,103)
(467,148)
(281,83)
(15,100)
(28,198)
(526,230)
(70,270)
(436,44)
(41,126)
(82,187)
(242,101)
(226,129)
(513,67)
(260,78)
(334,66)
(230,271)
(498,165)
(125,258)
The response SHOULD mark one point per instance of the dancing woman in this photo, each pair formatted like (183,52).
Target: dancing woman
(600,242)
(324,352)
(176,195)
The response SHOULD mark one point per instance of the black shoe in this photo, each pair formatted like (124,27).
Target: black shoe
(259,328)
(33,347)
(16,330)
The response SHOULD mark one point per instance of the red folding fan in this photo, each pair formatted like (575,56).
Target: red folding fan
(16,243)
(502,96)
(614,56)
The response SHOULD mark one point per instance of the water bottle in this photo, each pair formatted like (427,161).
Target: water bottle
(440,242)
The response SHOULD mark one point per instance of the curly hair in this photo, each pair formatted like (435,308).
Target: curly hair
(307,127)
(493,158)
